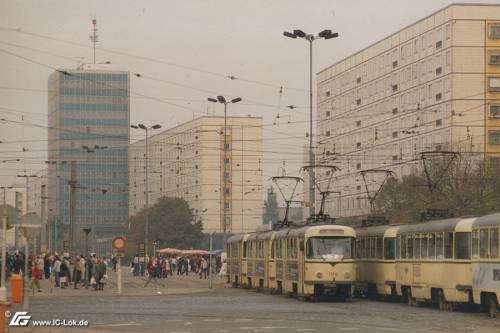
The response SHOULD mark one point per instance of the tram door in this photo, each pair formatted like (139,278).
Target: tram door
(417,274)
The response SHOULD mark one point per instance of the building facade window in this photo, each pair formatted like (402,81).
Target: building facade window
(494,110)
(494,137)
(494,162)
(494,31)
(494,57)
(494,83)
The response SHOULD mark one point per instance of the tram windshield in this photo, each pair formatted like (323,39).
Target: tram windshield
(330,248)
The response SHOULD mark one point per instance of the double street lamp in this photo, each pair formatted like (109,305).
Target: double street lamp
(326,34)
(146,224)
(221,99)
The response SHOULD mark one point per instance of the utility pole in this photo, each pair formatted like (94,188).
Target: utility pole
(146,194)
(210,262)
(326,34)
(72,203)
(225,174)
(42,215)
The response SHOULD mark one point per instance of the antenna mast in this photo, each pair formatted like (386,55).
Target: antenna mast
(94,38)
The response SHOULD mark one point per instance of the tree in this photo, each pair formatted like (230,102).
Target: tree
(270,207)
(467,188)
(171,222)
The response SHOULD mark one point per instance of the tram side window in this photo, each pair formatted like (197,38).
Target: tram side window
(494,243)
(244,249)
(279,253)
(398,247)
(483,243)
(367,248)
(439,245)
(291,248)
(380,248)
(475,244)
(409,242)
(416,246)
(462,245)
(448,245)
(423,246)
(273,243)
(358,249)
(403,247)
(432,246)
(373,247)
(389,248)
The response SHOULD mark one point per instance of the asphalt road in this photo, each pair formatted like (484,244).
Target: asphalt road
(186,305)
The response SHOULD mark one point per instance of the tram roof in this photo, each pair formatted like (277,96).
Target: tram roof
(447,225)
(266,235)
(236,238)
(491,220)
(375,231)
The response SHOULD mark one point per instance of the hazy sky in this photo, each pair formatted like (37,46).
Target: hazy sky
(191,46)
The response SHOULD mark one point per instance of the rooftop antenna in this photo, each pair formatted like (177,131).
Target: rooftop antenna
(94,38)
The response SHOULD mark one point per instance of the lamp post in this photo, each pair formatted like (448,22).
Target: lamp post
(27,199)
(87,232)
(3,290)
(222,100)
(146,224)
(326,34)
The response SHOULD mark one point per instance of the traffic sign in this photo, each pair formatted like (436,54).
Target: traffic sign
(119,243)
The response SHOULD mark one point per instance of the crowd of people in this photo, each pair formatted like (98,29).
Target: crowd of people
(63,271)
(160,267)
(90,271)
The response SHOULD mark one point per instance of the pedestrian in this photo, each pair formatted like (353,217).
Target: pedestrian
(103,277)
(36,275)
(47,262)
(18,262)
(114,262)
(77,273)
(150,267)
(57,270)
(64,274)
(203,268)
(223,269)
(186,265)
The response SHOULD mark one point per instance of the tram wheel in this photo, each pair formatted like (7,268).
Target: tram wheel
(492,306)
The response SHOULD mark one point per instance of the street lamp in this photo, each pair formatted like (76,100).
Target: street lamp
(146,225)
(326,34)
(222,100)
(3,290)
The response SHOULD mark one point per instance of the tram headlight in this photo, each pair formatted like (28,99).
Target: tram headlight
(319,275)
(347,275)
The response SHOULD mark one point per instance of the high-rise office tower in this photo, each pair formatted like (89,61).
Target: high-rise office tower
(89,118)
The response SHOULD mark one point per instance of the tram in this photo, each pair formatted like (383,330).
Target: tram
(308,261)
(236,259)
(486,262)
(433,261)
(376,260)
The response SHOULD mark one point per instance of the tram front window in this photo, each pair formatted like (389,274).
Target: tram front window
(330,248)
